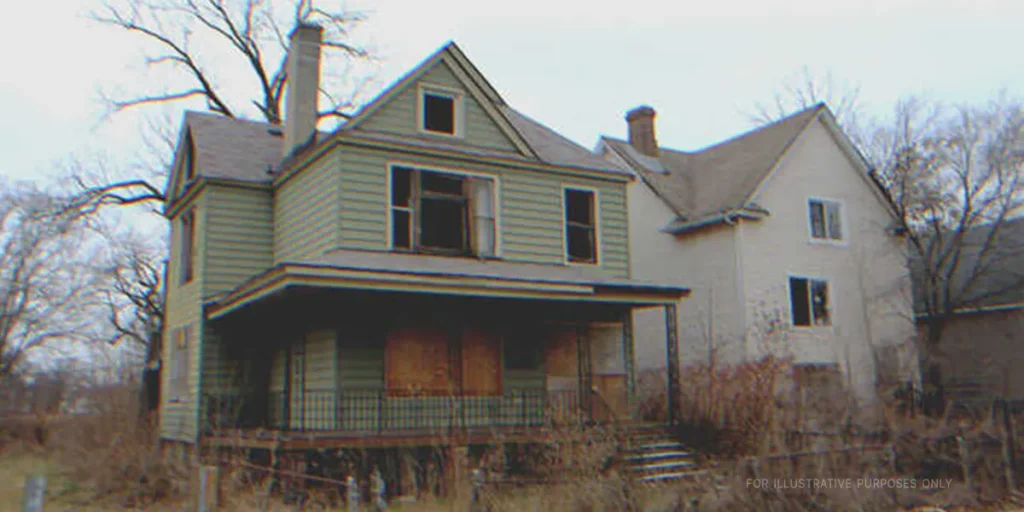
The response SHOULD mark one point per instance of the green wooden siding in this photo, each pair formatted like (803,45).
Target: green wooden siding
(306,212)
(399,114)
(179,420)
(239,236)
(530,209)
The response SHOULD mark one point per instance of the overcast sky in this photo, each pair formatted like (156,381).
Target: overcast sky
(574,65)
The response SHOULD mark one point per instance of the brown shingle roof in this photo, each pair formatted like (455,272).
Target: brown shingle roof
(723,177)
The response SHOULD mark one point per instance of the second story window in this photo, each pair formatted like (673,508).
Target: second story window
(826,219)
(186,266)
(442,212)
(809,302)
(580,226)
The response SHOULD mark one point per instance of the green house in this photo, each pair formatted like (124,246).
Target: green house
(440,264)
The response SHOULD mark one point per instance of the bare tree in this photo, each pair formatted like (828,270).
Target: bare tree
(46,289)
(805,89)
(954,177)
(190,46)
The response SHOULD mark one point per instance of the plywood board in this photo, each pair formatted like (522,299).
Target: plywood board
(481,362)
(416,360)
(612,388)
(560,358)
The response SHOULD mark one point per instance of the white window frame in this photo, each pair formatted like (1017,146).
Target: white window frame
(187,235)
(843,225)
(458,102)
(829,296)
(496,199)
(565,227)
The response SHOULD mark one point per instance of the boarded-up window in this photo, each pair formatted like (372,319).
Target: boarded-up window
(481,362)
(178,380)
(417,361)
(580,226)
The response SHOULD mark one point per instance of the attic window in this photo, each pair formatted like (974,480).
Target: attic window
(439,110)
(826,219)
(580,226)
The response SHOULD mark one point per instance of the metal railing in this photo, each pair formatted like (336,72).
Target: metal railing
(378,411)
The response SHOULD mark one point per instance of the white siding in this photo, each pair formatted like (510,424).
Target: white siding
(703,262)
(867,275)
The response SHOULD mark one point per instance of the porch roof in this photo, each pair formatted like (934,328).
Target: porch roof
(414,273)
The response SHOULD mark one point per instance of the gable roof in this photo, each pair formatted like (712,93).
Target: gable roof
(537,142)
(243,150)
(999,284)
(709,183)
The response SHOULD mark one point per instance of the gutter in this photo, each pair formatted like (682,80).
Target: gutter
(727,217)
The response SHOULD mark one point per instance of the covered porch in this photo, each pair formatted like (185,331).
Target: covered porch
(329,363)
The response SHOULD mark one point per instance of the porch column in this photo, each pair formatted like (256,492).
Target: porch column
(629,361)
(583,369)
(672,356)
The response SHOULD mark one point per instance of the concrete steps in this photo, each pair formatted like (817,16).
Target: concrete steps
(653,456)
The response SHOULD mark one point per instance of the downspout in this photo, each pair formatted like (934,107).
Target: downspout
(737,225)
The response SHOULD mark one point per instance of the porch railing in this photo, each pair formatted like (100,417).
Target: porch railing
(380,411)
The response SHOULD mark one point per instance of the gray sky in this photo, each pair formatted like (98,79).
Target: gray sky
(574,65)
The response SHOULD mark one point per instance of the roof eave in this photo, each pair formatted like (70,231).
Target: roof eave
(678,226)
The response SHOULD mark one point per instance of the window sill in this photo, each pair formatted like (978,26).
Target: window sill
(440,135)
(830,242)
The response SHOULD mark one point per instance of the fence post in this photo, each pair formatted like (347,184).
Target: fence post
(209,487)
(1009,447)
(352,498)
(476,497)
(965,463)
(35,489)
(379,490)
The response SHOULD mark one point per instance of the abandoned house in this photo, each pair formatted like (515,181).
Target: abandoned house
(786,243)
(439,271)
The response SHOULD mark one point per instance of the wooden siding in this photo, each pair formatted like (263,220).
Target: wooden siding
(306,212)
(530,209)
(321,359)
(239,236)
(179,420)
(399,114)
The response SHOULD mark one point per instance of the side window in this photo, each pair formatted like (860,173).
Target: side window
(809,302)
(186,266)
(580,226)
(826,219)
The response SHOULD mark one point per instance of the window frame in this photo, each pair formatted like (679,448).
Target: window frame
(186,259)
(596,205)
(178,378)
(843,240)
(829,297)
(458,105)
(413,207)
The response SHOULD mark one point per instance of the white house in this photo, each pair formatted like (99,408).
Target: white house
(785,241)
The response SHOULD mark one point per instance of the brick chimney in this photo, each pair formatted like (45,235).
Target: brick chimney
(303,68)
(641,130)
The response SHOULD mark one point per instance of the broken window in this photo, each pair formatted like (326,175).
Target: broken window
(580,226)
(439,112)
(809,302)
(826,223)
(188,233)
(430,212)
